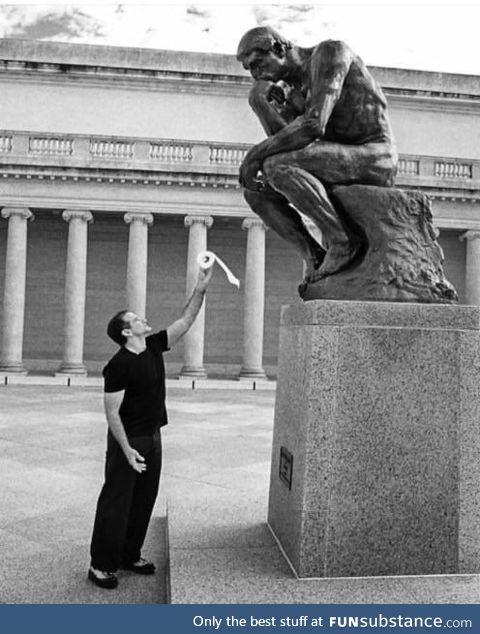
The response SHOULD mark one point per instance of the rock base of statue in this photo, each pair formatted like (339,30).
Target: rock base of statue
(401,260)
(376,440)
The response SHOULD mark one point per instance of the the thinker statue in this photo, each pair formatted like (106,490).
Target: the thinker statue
(326,120)
(327,126)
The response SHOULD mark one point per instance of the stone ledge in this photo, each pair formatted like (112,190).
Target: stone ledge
(228,555)
(7,379)
(329,312)
(393,80)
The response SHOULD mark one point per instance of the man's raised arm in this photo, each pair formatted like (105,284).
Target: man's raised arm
(179,327)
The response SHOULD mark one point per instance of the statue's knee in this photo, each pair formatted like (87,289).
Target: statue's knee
(251,197)
(256,200)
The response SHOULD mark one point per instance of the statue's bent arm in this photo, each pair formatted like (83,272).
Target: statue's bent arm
(329,65)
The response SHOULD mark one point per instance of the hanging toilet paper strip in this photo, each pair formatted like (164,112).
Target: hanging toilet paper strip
(206,259)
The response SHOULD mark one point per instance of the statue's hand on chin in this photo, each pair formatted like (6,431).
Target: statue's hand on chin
(264,90)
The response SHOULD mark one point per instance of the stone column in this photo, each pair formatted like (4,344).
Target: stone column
(14,291)
(472,268)
(75,289)
(254,300)
(194,339)
(137,261)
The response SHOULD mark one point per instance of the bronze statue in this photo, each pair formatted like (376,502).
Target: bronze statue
(330,159)
(326,120)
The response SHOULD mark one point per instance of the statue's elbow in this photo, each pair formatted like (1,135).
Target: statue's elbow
(252,101)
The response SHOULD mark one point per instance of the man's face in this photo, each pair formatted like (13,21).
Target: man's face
(136,325)
(265,64)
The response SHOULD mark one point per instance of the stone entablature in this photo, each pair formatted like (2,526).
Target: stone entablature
(131,59)
(47,57)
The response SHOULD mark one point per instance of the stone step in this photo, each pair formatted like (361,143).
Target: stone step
(220,550)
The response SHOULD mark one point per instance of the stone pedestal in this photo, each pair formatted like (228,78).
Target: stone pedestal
(375,467)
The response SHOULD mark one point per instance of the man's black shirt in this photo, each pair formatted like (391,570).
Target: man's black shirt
(142,376)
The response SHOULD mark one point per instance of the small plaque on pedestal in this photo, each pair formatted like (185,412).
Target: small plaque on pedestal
(285,467)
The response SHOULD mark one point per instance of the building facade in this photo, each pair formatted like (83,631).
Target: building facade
(117,166)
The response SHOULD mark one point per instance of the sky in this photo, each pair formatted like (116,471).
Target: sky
(423,35)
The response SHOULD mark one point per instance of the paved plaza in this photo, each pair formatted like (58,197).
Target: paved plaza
(216,478)
(52,443)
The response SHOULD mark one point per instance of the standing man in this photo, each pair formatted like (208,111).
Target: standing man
(327,124)
(135,411)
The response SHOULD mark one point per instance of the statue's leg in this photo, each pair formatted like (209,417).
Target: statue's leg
(339,164)
(308,194)
(301,177)
(279,216)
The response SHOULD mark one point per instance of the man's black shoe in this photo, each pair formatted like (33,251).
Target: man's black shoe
(141,567)
(102,578)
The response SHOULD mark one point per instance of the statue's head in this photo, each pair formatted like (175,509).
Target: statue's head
(262,51)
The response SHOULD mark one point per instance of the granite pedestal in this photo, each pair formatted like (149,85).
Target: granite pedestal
(376,447)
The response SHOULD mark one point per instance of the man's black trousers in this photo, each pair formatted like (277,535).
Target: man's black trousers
(125,504)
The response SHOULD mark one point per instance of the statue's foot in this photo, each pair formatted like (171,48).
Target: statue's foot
(312,264)
(338,257)
(310,273)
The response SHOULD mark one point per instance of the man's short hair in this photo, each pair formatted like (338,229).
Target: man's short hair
(115,327)
(261,37)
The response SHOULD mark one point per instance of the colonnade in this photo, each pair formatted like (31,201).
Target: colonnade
(11,360)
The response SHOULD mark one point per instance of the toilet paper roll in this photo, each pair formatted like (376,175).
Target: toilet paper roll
(206,259)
